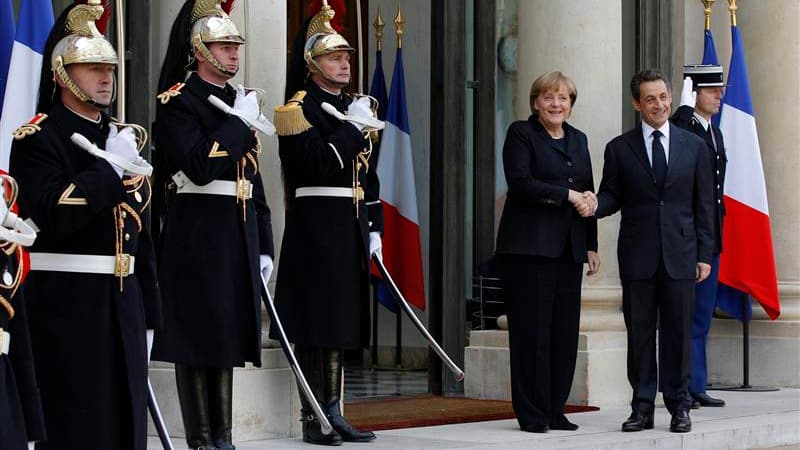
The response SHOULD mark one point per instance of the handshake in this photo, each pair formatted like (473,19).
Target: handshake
(585,203)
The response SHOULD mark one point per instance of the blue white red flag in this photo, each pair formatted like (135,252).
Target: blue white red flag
(7,29)
(402,252)
(22,87)
(747,263)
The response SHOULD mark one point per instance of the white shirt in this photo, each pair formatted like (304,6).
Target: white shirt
(647,131)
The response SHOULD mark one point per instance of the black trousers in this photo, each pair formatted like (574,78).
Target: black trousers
(543,302)
(670,304)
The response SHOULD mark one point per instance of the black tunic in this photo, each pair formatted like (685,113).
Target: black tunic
(209,260)
(21,417)
(322,293)
(87,330)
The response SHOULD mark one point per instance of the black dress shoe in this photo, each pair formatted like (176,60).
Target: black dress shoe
(561,423)
(535,428)
(680,423)
(706,400)
(638,421)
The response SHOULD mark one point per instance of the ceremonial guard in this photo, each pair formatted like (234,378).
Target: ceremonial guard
(333,222)
(216,232)
(21,417)
(92,291)
(701,98)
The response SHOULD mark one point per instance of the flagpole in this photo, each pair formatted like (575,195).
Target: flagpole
(121,82)
(399,23)
(378,24)
(707,4)
(745,386)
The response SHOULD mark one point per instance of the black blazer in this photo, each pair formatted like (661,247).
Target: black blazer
(537,218)
(675,223)
(684,118)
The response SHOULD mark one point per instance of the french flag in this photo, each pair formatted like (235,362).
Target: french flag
(747,263)
(402,252)
(22,86)
(6,44)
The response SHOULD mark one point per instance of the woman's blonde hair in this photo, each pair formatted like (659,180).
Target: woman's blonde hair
(551,81)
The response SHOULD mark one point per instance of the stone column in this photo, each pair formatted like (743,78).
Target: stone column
(584,41)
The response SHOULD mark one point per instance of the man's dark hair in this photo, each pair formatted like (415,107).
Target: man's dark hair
(643,77)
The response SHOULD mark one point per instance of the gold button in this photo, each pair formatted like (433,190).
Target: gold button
(127,236)
(124,214)
(137,196)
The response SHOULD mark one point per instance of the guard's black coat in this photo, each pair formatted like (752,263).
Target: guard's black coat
(322,291)
(208,263)
(21,418)
(87,330)
(684,118)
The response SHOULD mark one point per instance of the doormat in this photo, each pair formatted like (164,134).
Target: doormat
(430,410)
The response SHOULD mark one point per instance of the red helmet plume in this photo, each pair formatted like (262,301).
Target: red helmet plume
(227,6)
(338,6)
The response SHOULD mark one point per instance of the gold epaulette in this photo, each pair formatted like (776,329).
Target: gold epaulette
(30,128)
(174,91)
(289,118)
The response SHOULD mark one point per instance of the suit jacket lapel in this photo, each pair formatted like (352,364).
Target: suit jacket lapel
(676,143)
(635,140)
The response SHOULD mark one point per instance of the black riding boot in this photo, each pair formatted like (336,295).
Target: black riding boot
(310,360)
(192,386)
(332,367)
(220,402)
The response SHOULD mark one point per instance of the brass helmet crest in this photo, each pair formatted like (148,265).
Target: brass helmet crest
(210,23)
(321,38)
(83,44)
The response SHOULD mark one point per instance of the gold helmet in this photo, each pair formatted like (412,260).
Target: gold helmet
(321,38)
(212,24)
(83,44)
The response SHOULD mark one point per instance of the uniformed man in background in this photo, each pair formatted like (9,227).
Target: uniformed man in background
(701,98)
(216,233)
(333,222)
(92,292)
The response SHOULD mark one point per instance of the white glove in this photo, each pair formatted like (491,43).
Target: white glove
(123,145)
(3,204)
(31,445)
(688,96)
(359,114)
(149,337)
(265,263)
(375,244)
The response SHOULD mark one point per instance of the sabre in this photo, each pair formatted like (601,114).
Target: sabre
(158,419)
(287,350)
(398,297)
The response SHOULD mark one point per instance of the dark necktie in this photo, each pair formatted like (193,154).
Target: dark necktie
(659,160)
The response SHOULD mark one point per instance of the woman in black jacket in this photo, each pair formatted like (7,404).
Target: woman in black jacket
(542,244)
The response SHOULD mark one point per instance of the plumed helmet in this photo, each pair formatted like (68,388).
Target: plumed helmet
(83,43)
(321,38)
(211,23)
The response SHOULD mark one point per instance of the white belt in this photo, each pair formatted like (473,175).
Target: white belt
(120,265)
(326,191)
(5,342)
(239,189)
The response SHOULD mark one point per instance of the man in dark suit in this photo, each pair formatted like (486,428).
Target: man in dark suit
(701,97)
(658,176)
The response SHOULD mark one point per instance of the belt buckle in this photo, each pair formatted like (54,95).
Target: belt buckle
(122,268)
(359,193)
(243,189)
